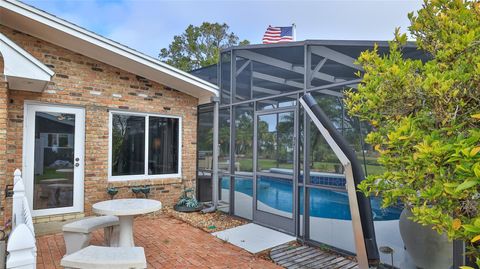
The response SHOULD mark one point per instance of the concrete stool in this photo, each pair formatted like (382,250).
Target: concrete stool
(77,234)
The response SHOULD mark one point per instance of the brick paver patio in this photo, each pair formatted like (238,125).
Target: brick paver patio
(168,243)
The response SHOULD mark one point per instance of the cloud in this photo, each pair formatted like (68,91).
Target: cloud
(148,26)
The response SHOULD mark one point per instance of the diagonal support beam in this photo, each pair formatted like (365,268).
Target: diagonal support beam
(257,57)
(277,80)
(244,65)
(316,69)
(333,93)
(335,56)
(265,90)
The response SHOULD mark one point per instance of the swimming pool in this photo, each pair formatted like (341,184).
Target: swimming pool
(278,194)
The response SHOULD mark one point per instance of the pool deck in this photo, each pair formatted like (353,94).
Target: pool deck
(168,243)
(254,238)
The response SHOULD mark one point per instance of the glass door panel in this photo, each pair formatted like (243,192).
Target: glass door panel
(53,160)
(275,195)
(275,144)
(275,158)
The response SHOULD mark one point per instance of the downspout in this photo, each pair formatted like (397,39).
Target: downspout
(215,151)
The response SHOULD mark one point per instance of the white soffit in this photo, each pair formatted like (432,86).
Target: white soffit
(22,70)
(40,24)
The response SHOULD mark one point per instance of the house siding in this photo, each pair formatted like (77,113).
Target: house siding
(97,87)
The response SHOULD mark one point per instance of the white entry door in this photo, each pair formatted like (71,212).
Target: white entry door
(53,158)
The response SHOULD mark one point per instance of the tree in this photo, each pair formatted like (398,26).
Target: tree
(427,119)
(199,46)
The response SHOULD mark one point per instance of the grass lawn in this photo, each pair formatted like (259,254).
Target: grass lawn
(328,167)
(49,173)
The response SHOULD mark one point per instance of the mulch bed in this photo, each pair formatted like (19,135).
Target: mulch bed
(209,222)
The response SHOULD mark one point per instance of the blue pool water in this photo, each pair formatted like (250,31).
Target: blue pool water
(277,193)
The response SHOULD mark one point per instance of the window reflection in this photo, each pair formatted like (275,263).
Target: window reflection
(54,160)
(224,140)
(275,141)
(163,145)
(128,145)
(244,138)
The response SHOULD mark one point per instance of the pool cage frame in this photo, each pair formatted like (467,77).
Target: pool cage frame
(327,56)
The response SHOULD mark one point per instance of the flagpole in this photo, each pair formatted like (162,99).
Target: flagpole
(294,30)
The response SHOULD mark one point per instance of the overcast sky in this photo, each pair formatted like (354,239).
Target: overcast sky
(148,25)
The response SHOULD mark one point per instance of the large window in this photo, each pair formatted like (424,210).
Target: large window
(143,146)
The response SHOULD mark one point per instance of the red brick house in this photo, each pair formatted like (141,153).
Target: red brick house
(80,113)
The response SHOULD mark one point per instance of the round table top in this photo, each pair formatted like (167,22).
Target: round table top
(60,185)
(53,180)
(127,207)
(65,170)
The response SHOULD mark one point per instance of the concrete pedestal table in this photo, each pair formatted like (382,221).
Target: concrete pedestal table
(126,209)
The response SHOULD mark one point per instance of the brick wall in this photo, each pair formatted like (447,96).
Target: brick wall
(97,87)
(3,137)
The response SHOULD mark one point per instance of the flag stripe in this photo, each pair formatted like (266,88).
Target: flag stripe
(278,35)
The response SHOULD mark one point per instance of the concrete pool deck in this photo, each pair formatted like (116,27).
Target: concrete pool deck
(254,238)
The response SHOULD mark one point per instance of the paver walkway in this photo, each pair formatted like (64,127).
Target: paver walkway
(168,243)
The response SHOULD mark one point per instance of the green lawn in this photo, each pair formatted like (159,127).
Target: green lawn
(328,167)
(49,173)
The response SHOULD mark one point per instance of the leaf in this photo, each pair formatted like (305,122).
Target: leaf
(474,151)
(476,169)
(475,239)
(465,185)
(457,223)
(450,184)
(477,222)
(476,116)
(472,229)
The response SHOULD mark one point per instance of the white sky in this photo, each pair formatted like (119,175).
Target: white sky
(148,25)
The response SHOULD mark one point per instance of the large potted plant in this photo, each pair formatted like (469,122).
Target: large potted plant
(426,119)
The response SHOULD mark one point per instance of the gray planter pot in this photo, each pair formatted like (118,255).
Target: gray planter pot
(427,248)
(186,209)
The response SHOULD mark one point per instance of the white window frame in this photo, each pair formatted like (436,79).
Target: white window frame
(145,175)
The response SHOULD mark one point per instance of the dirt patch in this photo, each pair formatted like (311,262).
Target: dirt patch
(209,222)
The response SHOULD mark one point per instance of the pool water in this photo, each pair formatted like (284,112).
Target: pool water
(278,194)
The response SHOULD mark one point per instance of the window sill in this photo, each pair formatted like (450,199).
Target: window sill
(164,178)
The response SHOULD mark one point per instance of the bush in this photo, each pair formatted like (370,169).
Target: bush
(427,119)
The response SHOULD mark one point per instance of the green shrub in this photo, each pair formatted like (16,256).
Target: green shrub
(427,119)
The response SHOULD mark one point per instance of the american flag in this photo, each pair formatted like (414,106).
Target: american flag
(278,34)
